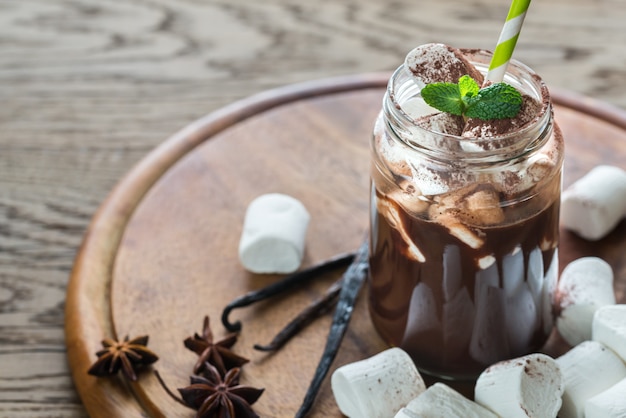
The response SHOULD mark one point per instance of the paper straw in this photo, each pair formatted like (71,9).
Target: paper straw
(508,39)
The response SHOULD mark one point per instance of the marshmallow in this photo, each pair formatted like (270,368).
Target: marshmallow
(464,209)
(444,123)
(422,316)
(441,401)
(586,284)
(609,404)
(529,386)
(457,228)
(588,369)
(377,387)
(487,346)
(478,128)
(462,232)
(409,197)
(406,413)
(609,328)
(548,292)
(450,65)
(417,108)
(392,214)
(539,167)
(594,205)
(483,207)
(273,234)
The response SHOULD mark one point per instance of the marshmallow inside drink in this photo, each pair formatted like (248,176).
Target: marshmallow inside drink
(464,219)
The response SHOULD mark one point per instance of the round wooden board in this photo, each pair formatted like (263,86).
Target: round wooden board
(161,252)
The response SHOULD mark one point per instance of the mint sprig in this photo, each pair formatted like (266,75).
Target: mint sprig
(497,101)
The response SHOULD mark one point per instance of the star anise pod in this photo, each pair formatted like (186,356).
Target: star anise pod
(127,355)
(215,397)
(218,354)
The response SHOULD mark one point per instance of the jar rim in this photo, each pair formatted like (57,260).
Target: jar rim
(530,136)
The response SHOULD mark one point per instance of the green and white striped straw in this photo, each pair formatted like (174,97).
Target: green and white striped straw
(508,39)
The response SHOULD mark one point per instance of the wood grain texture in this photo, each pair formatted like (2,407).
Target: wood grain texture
(89,87)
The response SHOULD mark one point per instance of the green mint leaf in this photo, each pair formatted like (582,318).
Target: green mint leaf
(498,101)
(445,97)
(468,87)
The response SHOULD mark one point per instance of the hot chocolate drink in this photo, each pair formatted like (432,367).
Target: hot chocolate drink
(464,220)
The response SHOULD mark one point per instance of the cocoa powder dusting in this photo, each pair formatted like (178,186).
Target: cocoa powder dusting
(436,63)
(477,128)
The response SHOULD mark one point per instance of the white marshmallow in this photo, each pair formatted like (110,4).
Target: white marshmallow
(588,369)
(459,230)
(483,207)
(406,413)
(548,292)
(441,401)
(451,65)
(422,315)
(485,345)
(410,198)
(609,328)
(586,284)
(392,215)
(529,386)
(595,204)
(377,387)
(609,404)
(417,108)
(539,167)
(273,234)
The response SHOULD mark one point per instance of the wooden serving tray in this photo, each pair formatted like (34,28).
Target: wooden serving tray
(161,252)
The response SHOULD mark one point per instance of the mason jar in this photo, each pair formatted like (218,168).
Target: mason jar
(463,231)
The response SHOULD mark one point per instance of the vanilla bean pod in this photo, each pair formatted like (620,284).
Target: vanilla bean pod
(304,318)
(283,285)
(353,280)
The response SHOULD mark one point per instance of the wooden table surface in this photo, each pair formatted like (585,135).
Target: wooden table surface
(89,87)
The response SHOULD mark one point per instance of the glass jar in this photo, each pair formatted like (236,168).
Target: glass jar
(463,232)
